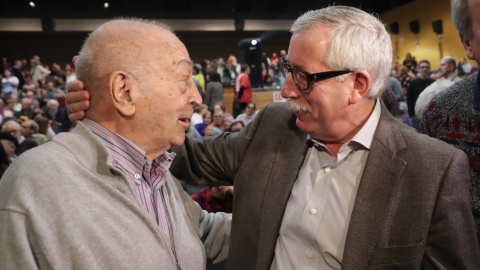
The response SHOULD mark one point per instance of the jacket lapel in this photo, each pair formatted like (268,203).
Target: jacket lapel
(379,183)
(289,158)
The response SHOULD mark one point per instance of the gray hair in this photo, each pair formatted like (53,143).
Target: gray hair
(461,17)
(91,64)
(359,41)
(34,126)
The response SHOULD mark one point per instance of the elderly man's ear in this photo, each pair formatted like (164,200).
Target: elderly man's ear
(121,87)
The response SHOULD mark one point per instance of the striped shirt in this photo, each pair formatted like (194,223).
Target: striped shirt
(147,178)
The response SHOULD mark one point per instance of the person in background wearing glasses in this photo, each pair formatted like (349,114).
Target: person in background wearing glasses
(330,179)
(417,86)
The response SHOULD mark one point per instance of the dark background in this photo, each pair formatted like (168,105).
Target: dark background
(60,47)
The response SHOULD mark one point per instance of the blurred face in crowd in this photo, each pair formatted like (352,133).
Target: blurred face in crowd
(237,127)
(207,118)
(210,132)
(26,104)
(227,121)
(13,129)
(7,73)
(424,69)
(26,129)
(250,110)
(446,68)
(217,118)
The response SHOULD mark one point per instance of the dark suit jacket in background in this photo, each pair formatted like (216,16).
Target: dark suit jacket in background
(412,208)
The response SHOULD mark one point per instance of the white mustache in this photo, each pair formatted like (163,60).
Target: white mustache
(294,105)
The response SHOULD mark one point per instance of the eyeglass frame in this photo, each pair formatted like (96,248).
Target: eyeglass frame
(311,77)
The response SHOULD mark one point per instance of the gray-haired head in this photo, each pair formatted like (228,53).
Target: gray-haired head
(461,17)
(359,41)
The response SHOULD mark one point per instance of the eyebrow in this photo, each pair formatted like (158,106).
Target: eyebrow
(186,61)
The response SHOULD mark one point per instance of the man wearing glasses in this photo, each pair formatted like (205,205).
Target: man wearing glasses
(417,85)
(331,179)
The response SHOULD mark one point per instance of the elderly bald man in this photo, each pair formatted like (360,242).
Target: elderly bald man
(101,196)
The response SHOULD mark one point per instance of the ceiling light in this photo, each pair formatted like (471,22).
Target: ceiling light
(106,5)
(32,4)
(254,42)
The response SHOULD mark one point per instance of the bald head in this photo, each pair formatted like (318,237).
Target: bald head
(120,45)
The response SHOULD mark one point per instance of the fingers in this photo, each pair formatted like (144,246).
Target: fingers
(75,86)
(76,95)
(76,116)
(76,111)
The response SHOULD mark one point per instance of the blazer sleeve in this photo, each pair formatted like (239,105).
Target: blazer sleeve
(451,241)
(214,161)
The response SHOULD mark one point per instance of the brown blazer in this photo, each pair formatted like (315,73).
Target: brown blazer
(412,208)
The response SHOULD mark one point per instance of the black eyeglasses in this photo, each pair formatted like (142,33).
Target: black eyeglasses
(302,78)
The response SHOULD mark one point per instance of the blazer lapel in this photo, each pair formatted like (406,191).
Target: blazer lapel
(289,158)
(379,182)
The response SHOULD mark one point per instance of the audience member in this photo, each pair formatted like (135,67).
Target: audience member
(214,92)
(39,73)
(237,125)
(395,85)
(453,116)
(217,121)
(390,100)
(215,199)
(9,84)
(464,68)
(111,173)
(24,144)
(26,110)
(17,72)
(447,69)
(207,120)
(29,129)
(431,91)
(212,131)
(248,115)
(9,144)
(227,120)
(243,89)
(198,113)
(416,87)
(4,111)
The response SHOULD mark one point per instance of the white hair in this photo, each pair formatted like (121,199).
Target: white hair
(359,41)
(461,17)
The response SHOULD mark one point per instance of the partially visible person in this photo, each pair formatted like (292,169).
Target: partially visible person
(395,85)
(9,143)
(39,73)
(212,131)
(44,126)
(26,108)
(215,199)
(227,119)
(464,68)
(248,115)
(431,91)
(4,111)
(198,113)
(447,69)
(197,72)
(207,120)
(14,129)
(453,116)
(243,89)
(390,100)
(17,71)
(214,91)
(9,84)
(102,196)
(29,129)
(217,121)
(237,126)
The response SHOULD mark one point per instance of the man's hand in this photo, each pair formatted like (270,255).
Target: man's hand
(78,100)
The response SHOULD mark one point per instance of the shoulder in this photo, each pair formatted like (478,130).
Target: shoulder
(456,97)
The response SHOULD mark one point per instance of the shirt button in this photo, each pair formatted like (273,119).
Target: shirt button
(309,255)
(327,169)
(137,176)
(313,211)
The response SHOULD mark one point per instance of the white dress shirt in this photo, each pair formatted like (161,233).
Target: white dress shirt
(315,223)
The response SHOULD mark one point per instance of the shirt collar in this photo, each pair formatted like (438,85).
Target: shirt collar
(476,93)
(126,154)
(365,135)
